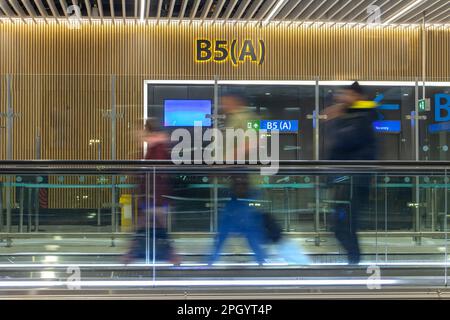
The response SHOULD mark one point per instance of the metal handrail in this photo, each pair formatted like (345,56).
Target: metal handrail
(281,162)
(133,166)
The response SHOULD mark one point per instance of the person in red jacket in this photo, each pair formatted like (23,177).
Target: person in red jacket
(157,148)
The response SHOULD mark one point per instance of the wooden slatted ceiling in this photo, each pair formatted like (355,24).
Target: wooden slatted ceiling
(437,11)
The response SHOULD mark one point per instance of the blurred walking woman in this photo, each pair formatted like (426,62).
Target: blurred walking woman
(149,235)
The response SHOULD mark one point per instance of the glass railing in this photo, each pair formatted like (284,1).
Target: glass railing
(152,222)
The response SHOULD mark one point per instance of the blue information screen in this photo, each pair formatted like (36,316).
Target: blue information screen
(280,125)
(184,113)
(390,126)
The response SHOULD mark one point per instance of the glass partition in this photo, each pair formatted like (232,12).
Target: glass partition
(254,228)
(97,216)
(434,122)
(270,102)
(97,116)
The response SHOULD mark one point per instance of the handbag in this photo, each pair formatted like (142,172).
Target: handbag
(272,229)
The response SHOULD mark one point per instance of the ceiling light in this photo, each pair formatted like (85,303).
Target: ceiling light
(274,10)
(403,11)
(142,11)
(49,259)
(48,275)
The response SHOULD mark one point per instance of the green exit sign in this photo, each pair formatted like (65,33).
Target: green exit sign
(253,124)
(424,105)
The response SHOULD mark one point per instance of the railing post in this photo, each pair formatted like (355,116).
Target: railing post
(21,209)
(30,209)
(36,216)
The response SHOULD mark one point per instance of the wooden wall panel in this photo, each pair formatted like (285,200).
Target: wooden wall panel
(62,76)
(168,51)
(3,101)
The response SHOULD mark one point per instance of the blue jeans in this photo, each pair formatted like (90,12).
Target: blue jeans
(239,218)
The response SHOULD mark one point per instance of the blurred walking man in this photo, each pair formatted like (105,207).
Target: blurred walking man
(350,135)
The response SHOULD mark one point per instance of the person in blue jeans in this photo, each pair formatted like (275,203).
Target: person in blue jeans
(238,217)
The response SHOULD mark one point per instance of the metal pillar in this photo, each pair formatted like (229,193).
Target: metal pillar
(113,205)
(99,209)
(36,191)
(415,122)
(9,149)
(113,117)
(113,153)
(424,55)
(316,125)
(99,150)
(316,118)
(9,118)
(99,223)
(214,218)
(1,208)
(288,210)
(445,225)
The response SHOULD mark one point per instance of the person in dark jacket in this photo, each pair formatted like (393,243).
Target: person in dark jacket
(350,135)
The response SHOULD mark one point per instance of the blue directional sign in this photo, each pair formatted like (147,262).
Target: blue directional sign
(389,126)
(439,127)
(385,106)
(280,125)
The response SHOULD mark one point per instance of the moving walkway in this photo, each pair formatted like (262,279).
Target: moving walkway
(403,233)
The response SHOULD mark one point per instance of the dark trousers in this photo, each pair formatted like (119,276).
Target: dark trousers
(345,215)
(141,246)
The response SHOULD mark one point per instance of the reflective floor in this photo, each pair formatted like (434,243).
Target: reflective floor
(194,249)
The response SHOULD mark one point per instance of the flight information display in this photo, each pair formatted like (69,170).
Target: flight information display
(184,113)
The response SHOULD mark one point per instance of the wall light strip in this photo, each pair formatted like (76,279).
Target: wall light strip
(387,83)
(180,82)
(436,84)
(266,82)
(403,11)
(296,83)
(290,24)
